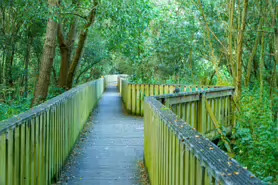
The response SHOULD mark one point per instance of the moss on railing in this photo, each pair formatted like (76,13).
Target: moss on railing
(175,153)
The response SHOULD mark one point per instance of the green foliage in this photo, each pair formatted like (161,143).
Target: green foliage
(14,107)
(256,135)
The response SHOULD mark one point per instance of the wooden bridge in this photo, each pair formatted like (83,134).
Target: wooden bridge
(49,143)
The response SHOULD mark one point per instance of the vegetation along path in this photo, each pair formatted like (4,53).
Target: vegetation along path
(110,151)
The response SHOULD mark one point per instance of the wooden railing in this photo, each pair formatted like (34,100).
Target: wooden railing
(176,153)
(211,112)
(34,145)
(133,94)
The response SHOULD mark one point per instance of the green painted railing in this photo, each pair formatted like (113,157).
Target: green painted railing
(34,145)
(176,153)
(133,94)
(189,104)
(211,112)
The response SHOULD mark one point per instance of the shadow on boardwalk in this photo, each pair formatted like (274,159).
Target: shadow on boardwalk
(110,147)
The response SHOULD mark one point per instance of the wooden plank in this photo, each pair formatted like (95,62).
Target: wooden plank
(170,157)
(218,94)
(179,110)
(129,97)
(166,89)
(183,111)
(28,153)
(159,151)
(177,160)
(22,153)
(142,97)
(40,152)
(43,148)
(173,161)
(3,159)
(10,157)
(161,90)
(171,89)
(47,147)
(138,99)
(181,162)
(151,90)
(37,151)
(133,97)
(147,90)
(167,144)
(202,114)
(188,116)
(16,155)
(199,176)
(187,167)
(184,99)
(163,175)
(192,115)
(156,90)
(207,178)
(192,169)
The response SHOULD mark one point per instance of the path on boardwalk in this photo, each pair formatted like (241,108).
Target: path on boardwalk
(110,150)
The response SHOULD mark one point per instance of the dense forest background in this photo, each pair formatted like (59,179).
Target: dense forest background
(48,47)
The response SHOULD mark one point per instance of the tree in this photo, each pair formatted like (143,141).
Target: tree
(48,56)
(82,40)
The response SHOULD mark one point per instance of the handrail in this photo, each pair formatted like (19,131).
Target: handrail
(34,145)
(175,153)
(41,108)
(133,94)
(191,107)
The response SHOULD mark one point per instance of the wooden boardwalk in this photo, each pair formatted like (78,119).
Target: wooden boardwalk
(109,150)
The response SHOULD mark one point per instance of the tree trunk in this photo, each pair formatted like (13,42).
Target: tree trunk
(262,66)
(251,58)
(41,91)
(66,47)
(231,27)
(65,60)
(81,43)
(240,50)
(9,66)
(273,85)
(26,69)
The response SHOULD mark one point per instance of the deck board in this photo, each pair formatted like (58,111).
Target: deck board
(109,151)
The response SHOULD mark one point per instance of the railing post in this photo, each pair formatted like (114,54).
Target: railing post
(201,127)
(233,111)
(129,95)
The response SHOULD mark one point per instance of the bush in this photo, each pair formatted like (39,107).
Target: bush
(256,135)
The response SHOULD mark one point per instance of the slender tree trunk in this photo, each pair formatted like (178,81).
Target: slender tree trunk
(82,40)
(26,68)
(65,60)
(240,50)
(9,67)
(80,47)
(48,56)
(4,68)
(262,66)
(231,27)
(191,63)
(252,56)
(273,86)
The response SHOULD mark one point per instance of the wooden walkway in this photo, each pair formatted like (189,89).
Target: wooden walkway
(110,148)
